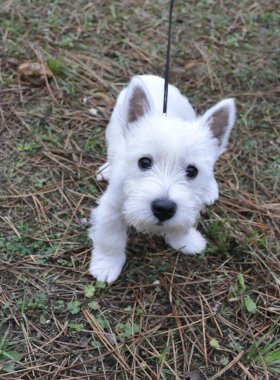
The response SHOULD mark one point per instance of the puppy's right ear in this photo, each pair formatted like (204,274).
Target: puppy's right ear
(220,120)
(138,100)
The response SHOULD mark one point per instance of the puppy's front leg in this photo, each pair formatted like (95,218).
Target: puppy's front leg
(108,234)
(190,242)
(103,173)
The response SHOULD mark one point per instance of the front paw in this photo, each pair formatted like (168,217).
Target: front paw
(106,268)
(103,173)
(191,243)
(194,244)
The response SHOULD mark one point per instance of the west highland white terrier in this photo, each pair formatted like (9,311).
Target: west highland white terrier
(160,171)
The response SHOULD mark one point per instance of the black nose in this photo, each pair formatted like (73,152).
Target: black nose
(163,209)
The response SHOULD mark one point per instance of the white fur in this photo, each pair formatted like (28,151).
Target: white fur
(173,142)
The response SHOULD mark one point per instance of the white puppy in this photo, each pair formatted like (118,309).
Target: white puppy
(160,171)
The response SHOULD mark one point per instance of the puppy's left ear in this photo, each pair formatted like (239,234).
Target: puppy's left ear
(138,100)
(220,119)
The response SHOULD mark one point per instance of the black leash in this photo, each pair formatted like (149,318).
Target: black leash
(167,64)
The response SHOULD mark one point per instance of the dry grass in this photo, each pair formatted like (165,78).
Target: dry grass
(168,316)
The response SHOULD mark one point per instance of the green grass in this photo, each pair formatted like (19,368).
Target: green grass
(168,316)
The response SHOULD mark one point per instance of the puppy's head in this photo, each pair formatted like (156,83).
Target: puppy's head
(169,162)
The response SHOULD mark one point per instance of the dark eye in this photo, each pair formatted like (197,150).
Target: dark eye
(145,163)
(191,171)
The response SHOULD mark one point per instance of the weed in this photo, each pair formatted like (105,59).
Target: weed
(57,66)
(59,306)
(240,289)
(89,290)
(266,350)
(93,305)
(27,147)
(219,233)
(127,329)
(74,307)
(77,327)
(26,303)
(8,358)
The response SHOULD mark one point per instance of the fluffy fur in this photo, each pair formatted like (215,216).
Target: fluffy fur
(172,143)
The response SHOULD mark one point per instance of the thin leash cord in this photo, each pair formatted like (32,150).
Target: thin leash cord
(167,60)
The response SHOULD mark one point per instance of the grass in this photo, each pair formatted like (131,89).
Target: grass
(168,316)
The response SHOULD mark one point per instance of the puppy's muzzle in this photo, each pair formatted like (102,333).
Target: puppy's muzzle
(163,209)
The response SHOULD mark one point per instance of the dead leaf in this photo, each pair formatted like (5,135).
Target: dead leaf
(191,64)
(35,73)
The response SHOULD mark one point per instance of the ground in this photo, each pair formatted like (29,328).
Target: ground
(168,316)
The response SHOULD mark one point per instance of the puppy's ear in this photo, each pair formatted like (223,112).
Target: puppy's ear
(138,100)
(220,119)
